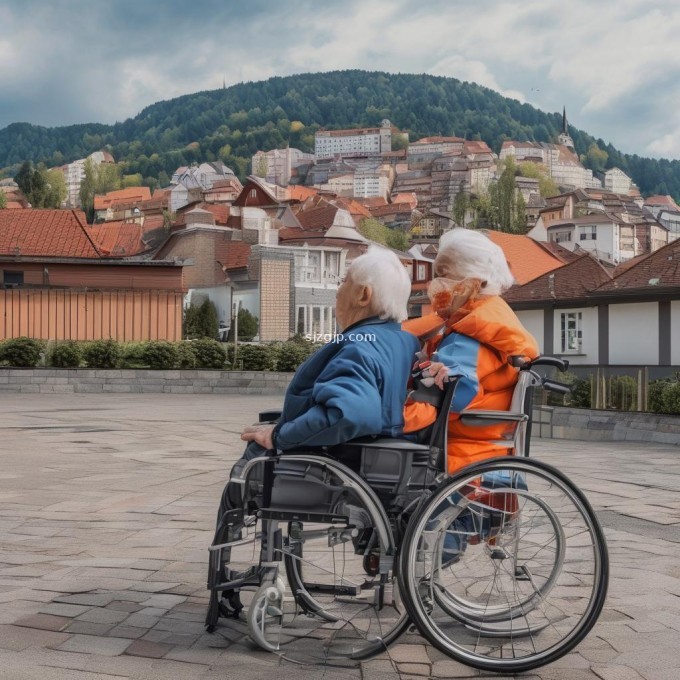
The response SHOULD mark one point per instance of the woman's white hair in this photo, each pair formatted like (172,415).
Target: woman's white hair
(382,271)
(467,254)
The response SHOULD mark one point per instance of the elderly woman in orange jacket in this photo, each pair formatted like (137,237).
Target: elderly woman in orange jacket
(471,334)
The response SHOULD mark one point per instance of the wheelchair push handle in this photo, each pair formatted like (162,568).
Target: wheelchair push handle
(554,386)
(562,365)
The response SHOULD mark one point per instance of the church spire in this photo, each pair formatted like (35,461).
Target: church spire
(564,137)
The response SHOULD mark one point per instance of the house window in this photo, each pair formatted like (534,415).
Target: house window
(300,324)
(253,193)
(588,233)
(560,236)
(12,279)
(422,272)
(571,333)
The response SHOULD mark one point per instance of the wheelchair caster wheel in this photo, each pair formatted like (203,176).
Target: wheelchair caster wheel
(210,629)
(265,615)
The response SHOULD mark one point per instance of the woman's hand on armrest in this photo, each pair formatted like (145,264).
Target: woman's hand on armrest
(261,434)
(439,372)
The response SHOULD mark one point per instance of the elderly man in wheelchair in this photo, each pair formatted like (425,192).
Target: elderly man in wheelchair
(347,522)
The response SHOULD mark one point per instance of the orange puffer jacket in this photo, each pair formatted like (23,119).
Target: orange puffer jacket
(475,345)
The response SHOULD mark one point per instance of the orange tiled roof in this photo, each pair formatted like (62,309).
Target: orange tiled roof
(220,211)
(660,269)
(391,209)
(118,237)
(353,207)
(438,140)
(122,196)
(232,254)
(662,200)
(152,222)
(575,280)
(372,201)
(300,193)
(527,259)
(317,218)
(46,233)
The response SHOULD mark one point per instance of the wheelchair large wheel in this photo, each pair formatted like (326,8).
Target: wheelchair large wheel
(505,566)
(334,550)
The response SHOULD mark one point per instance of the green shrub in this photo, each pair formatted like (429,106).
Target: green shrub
(656,395)
(186,358)
(257,357)
(21,352)
(66,354)
(247,325)
(132,355)
(289,355)
(671,398)
(209,353)
(580,396)
(160,354)
(102,354)
(200,321)
(623,393)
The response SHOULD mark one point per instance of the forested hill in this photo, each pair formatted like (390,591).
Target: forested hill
(231,124)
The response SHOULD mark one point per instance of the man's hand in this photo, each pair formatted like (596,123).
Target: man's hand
(261,434)
(439,372)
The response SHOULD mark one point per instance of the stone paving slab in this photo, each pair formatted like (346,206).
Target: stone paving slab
(107,504)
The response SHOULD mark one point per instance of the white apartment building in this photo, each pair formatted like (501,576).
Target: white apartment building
(364,141)
(605,237)
(74,174)
(617,181)
(276,166)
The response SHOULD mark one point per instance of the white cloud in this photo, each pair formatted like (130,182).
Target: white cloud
(473,71)
(611,62)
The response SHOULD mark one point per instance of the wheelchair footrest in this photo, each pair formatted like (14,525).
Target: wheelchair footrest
(287,515)
(346,590)
(235,580)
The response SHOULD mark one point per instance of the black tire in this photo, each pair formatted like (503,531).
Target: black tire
(585,563)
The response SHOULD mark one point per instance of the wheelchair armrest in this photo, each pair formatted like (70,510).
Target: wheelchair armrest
(387,443)
(482,418)
(269,416)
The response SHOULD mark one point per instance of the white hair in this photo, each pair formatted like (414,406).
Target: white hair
(382,271)
(467,254)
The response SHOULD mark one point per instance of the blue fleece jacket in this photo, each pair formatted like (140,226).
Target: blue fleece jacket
(350,388)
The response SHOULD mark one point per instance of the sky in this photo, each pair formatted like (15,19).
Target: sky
(614,64)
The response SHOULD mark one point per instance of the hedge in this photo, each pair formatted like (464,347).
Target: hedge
(157,354)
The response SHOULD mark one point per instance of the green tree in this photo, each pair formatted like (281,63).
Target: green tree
(99,179)
(262,167)
(3,200)
(546,185)
(397,239)
(131,180)
(373,230)
(461,203)
(595,158)
(247,326)
(57,192)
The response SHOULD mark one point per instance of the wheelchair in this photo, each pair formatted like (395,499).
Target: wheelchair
(336,553)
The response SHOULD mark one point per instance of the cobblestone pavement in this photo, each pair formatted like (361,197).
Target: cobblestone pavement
(107,503)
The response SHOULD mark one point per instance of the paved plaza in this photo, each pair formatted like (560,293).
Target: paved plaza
(107,505)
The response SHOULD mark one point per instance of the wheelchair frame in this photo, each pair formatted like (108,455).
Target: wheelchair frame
(397,477)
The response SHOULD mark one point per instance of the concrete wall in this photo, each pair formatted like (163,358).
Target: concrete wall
(675,332)
(606,426)
(634,333)
(532,320)
(60,380)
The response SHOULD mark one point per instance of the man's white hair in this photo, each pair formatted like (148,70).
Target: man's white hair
(467,254)
(382,271)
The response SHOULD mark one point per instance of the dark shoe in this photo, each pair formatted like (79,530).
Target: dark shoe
(230,604)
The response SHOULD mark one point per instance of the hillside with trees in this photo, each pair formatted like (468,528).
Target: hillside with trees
(231,124)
